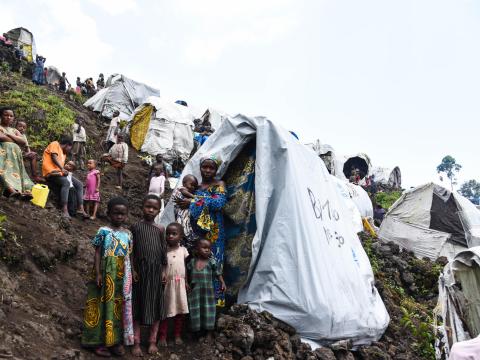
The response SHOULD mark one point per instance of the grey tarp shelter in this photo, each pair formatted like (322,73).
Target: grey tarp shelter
(21,36)
(122,94)
(307,267)
(432,221)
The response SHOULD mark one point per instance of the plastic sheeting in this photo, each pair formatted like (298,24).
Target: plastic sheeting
(53,75)
(122,94)
(169,131)
(458,308)
(386,176)
(22,36)
(424,219)
(308,266)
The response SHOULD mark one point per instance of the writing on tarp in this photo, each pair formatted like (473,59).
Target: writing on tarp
(324,211)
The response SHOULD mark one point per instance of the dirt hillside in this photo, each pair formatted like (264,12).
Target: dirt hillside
(44,260)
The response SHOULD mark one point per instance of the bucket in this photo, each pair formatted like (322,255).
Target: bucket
(40,194)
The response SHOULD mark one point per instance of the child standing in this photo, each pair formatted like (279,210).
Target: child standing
(157,182)
(150,260)
(108,308)
(176,303)
(79,141)
(201,303)
(182,216)
(92,189)
(117,156)
(28,154)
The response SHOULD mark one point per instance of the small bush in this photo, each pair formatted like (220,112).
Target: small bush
(386,199)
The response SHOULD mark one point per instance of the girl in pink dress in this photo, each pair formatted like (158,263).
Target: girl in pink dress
(176,303)
(92,189)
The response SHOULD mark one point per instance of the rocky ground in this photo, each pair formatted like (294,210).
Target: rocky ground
(44,260)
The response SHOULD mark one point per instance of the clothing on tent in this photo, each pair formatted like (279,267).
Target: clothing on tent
(140,125)
(240,224)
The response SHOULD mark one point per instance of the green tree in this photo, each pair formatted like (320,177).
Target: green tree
(450,167)
(471,190)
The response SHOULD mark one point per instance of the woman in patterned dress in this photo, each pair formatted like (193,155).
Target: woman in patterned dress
(108,312)
(14,180)
(206,215)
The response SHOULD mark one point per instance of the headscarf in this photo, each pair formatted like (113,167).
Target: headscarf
(216,159)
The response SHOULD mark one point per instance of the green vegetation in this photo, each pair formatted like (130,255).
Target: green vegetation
(419,323)
(386,199)
(46,114)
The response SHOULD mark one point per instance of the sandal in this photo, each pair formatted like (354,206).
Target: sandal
(102,352)
(26,196)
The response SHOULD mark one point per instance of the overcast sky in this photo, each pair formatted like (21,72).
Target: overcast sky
(399,80)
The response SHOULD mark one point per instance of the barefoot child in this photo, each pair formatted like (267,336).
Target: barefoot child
(150,260)
(92,189)
(107,317)
(182,216)
(28,154)
(117,156)
(176,303)
(201,271)
(79,140)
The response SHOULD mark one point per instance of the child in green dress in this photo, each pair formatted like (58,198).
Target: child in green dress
(201,271)
(108,322)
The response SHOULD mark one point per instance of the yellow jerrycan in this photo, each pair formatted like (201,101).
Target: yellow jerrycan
(40,194)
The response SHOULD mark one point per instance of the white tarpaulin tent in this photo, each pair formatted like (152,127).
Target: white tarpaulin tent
(458,306)
(169,128)
(122,94)
(386,176)
(308,267)
(53,75)
(432,221)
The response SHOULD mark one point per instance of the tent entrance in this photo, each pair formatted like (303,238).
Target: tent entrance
(353,163)
(240,221)
(444,217)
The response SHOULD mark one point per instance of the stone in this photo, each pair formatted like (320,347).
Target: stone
(408,278)
(324,353)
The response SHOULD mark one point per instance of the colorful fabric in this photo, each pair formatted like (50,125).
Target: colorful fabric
(201,301)
(12,170)
(182,216)
(175,289)
(47,164)
(207,221)
(128,333)
(215,158)
(106,310)
(91,193)
(140,126)
(150,259)
(240,221)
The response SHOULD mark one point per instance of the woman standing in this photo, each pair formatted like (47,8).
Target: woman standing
(206,214)
(14,180)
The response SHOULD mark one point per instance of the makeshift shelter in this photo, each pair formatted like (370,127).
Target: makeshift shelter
(360,161)
(332,161)
(122,94)
(458,306)
(215,117)
(160,126)
(21,36)
(53,75)
(291,247)
(388,177)
(432,221)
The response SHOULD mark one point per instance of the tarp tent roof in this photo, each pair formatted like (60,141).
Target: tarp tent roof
(53,75)
(458,307)
(22,36)
(308,267)
(389,177)
(122,94)
(159,126)
(432,221)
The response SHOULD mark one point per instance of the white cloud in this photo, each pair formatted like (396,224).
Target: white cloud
(68,37)
(115,7)
(223,25)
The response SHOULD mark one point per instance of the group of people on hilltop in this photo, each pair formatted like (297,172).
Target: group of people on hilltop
(150,275)
(87,87)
